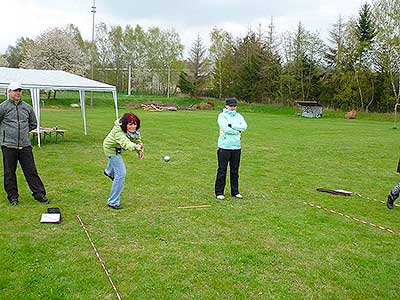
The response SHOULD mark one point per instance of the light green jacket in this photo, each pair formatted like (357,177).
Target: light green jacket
(117,139)
(231,125)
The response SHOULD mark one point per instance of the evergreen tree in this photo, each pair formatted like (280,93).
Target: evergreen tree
(185,85)
(198,67)
(248,59)
(365,32)
(365,25)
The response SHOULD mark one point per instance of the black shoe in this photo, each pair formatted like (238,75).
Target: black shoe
(43,200)
(14,202)
(390,201)
(109,176)
(115,206)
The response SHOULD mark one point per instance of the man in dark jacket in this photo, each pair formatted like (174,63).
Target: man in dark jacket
(17,119)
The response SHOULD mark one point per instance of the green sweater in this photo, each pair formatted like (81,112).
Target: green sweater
(117,139)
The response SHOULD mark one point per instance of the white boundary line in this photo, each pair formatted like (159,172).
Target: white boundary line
(373,199)
(99,257)
(352,218)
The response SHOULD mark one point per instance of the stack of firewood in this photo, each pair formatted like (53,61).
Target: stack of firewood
(351,114)
(154,107)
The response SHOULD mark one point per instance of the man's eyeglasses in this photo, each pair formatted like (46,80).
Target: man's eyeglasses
(232,105)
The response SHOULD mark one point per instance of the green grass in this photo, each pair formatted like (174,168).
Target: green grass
(268,246)
(100,99)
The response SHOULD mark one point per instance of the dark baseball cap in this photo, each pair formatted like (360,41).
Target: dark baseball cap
(231,102)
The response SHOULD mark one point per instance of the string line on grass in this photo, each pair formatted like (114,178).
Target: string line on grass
(352,218)
(194,206)
(373,199)
(99,258)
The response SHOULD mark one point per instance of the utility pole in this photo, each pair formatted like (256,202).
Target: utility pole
(129,79)
(169,79)
(220,78)
(92,52)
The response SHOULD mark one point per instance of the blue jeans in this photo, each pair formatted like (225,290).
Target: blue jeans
(116,168)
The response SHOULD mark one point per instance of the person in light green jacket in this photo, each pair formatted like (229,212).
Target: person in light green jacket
(124,135)
(231,125)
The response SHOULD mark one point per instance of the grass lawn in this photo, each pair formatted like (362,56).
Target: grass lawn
(267,246)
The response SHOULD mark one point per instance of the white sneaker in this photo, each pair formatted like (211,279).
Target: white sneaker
(220,197)
(239,196)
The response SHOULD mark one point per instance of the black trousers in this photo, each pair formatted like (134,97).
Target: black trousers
(11,157)
(232,157)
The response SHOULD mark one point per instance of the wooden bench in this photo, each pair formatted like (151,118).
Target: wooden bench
(60,132)
(48,134)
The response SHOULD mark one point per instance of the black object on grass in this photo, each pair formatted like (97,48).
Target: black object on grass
(335,192)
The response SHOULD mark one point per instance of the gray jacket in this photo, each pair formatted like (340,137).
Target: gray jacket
(16,121)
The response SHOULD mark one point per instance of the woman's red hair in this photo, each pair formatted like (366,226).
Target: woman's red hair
(129,118)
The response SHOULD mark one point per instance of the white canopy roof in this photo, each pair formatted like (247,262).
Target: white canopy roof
(36,80)
(49,79)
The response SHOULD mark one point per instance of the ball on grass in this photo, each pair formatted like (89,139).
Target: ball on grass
(167,158)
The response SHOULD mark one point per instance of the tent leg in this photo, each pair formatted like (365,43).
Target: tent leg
(82,96)
(115,103)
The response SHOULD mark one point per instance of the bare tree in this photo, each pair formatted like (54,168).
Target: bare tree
(304,57)
(134,45)
(3,61)
(335,52)
(15,54)
(163,49)
(221,51)
(361,34)
(387,14)
(103,49)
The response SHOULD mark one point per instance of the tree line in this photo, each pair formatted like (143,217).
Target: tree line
(358,67)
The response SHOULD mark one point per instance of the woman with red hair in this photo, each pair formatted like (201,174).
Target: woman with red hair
(124,135)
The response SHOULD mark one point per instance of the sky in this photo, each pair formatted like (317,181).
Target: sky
(29,18)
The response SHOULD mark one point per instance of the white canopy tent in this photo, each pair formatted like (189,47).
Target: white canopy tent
(36,80)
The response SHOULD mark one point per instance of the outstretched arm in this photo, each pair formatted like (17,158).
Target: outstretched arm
(126,143)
